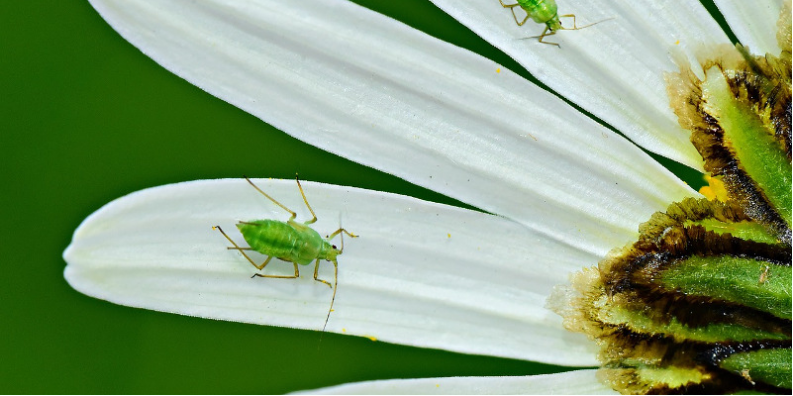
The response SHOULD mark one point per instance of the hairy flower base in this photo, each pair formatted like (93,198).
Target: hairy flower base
(738,109)
(702,301)
(676,310)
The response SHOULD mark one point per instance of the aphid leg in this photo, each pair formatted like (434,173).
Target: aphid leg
(337,232)
(272,199)
(512,8)
(229,239)
(258,266)
(314,219)
(296,275)
(571,16)
(262,265)
(316,275)
(521,23)
(238,247)
(334,287)
(508,5)
(545,34)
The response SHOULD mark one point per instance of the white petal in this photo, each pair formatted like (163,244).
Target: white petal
(580,382)
(371,89)
(753,22)
(420,273)
(613,69)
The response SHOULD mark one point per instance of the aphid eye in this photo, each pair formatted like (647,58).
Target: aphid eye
(333,246)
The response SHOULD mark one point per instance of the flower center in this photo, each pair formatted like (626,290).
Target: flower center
(701,302)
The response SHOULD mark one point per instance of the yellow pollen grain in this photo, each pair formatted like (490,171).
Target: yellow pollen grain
(448,235)
(714,190)
(372,338)
(677,42)
(498,70)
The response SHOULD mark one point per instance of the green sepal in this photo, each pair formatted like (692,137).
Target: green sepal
(746,230)
(638,322)
(644,379)
(754,283)
(752,142)
(770,366)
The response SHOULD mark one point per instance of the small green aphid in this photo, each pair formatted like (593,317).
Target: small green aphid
(542,11)
(290,241)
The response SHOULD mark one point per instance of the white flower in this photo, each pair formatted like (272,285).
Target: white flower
(564,189)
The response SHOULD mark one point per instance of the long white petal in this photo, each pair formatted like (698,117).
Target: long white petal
(613,69)
(371,89)
(420,273)
(580,382)
(753,22)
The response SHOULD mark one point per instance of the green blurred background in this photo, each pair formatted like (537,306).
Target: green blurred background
(86,118)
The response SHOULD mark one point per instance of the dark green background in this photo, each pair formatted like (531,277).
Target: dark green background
(85,119)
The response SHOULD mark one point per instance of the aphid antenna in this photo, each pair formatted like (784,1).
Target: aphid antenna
(335,281)
(342,231)
(332,299)
(582,27)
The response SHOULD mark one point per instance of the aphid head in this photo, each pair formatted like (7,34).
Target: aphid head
(329,252)
(554,24)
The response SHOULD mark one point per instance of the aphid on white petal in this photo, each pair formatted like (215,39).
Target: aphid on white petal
(290,241)
(545,12)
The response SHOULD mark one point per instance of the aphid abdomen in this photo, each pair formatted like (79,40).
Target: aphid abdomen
(540,11)
(270,237)
(308,246)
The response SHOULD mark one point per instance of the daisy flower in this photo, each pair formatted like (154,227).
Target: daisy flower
(557,190)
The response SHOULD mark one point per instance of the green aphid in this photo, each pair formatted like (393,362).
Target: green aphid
(290,241)
(544,12)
